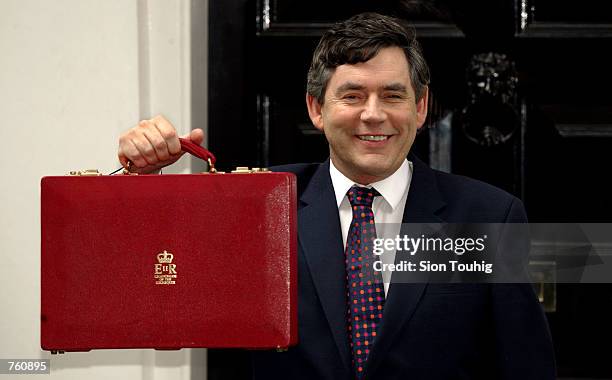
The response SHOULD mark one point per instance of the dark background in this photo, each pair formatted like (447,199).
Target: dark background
(556,118)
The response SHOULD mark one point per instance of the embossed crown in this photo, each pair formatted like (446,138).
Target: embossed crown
(165,257)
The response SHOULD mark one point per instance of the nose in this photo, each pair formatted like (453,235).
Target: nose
(373,111)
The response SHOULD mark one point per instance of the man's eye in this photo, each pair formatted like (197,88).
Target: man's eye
(394,96)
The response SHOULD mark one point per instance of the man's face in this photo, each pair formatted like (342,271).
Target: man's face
(370,116)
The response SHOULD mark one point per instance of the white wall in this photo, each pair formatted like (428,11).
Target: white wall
(74,74)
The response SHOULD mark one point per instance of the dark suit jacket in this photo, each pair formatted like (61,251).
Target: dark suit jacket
(429,331)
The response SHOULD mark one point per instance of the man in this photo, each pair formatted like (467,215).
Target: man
(367,91)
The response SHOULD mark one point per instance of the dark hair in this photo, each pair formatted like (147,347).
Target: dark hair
(359,39)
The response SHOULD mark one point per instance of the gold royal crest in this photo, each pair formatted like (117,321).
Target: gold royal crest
(165,271)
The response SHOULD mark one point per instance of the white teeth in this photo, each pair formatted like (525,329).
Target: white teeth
(373,138)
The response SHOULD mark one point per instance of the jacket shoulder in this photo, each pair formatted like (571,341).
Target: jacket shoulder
(303,172)
(299,170)
(484,202)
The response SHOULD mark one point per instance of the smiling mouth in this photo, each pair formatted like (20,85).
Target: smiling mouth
(373,137)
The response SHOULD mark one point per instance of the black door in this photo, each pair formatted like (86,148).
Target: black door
(521,98)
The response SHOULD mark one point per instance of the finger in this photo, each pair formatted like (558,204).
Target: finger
(132,157)
(145,150)
(128,152)
(123,160)
(121,152)
(168,133)
(158,143)
(136,157)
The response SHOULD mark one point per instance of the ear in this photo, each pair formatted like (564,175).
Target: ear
(421,108)
(314,111)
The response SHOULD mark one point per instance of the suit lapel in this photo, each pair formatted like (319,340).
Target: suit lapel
(320,237)
(423,201)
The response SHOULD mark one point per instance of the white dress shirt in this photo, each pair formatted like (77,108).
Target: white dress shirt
(388,208)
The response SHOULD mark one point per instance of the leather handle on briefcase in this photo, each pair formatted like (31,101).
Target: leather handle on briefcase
(199,152)
(186,146)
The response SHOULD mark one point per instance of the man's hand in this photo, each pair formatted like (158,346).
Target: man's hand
(152,145)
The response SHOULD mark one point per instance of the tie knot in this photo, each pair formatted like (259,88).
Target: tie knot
(361,196)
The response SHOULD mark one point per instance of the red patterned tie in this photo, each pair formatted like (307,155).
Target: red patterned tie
(366,294)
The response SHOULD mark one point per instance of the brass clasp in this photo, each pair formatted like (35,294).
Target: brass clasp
(86,172)
(245,170)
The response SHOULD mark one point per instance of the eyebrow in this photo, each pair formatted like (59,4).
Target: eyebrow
(396,87)
(352,86)
(349,86)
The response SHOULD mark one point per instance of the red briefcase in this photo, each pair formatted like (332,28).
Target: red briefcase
(169,261)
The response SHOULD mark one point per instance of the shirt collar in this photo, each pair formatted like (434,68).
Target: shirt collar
(391,188)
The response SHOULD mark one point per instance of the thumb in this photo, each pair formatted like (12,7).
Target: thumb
(196,136)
